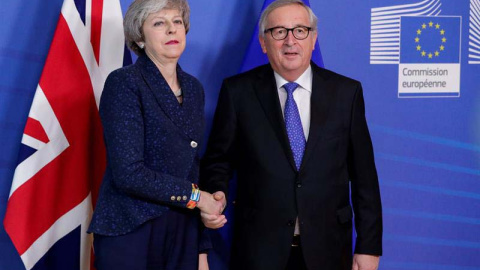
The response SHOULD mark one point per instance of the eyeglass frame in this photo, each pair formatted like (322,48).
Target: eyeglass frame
(309,29)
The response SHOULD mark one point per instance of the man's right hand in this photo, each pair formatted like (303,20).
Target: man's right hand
(220,196)
(213,221)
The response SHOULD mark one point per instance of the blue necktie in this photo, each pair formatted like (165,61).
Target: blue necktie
(294,125)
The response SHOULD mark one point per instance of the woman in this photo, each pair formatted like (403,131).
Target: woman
(153,120)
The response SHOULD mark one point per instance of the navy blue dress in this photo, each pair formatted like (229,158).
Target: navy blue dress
(141,220)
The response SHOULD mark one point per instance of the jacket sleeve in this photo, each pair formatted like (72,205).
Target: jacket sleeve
(364,182)
(217,163)
(122,119)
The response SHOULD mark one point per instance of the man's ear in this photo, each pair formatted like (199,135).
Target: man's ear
(315,35)
(261,39)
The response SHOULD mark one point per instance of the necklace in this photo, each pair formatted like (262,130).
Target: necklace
(178,93)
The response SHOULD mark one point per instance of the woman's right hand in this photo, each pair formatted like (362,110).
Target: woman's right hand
(211,208)
(208,204)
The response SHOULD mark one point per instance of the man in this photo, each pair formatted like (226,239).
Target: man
(297,137)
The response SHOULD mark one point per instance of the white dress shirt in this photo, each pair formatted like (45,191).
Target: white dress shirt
(302,98)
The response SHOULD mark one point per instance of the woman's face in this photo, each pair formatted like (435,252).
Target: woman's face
(164,34)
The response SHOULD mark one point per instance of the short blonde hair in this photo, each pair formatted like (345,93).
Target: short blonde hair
(138,12)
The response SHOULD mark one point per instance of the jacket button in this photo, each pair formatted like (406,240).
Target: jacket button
(179,198)
(193,144)
(172,198)
(184,197)
(291,223)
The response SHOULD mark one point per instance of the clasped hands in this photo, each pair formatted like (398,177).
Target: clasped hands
(211,207)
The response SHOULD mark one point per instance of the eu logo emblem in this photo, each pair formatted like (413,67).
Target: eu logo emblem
(429,56)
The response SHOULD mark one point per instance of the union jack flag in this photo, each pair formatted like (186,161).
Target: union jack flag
(62,156)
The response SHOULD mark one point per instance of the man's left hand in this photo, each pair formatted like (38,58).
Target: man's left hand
(365,262)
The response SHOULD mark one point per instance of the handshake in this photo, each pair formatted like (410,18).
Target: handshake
(211,207)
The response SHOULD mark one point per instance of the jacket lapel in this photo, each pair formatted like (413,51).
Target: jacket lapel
(192,108)
(323,93)
(266,91)
(180,115)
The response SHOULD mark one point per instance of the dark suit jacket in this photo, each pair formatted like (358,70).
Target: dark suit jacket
(248,136)
(151,160)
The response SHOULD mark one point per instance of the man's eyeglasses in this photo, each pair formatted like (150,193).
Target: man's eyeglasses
(280,33)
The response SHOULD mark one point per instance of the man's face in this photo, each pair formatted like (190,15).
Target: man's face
(289,57)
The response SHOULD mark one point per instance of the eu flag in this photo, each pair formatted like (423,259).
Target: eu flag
(429,39)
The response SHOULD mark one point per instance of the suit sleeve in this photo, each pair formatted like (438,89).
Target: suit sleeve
(217,164)
(122,119)
(364,182)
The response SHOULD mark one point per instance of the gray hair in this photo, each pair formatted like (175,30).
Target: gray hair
(138,12)
(281,3)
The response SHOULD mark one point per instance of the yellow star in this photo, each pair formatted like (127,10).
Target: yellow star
(444,40)
(419,47)
(424,26)
(437,53)
(442,32)
(423,53)
(437,26)
(430,55)
(419,32)
(442,47)
(430,24)
(417,39)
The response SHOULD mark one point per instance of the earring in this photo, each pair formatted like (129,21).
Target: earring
(141,45)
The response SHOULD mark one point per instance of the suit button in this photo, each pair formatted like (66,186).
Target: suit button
(291,223)
(299,185)
(179,198)
(193,144)
(172,198)
(184,198)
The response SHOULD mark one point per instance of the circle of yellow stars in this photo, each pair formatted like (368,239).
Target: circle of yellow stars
(425,27)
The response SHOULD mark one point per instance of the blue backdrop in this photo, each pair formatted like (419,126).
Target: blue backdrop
(427,149)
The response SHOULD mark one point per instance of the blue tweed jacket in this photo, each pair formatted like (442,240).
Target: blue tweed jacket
(152,146)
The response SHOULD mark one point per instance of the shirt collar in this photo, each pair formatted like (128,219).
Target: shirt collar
(304,81)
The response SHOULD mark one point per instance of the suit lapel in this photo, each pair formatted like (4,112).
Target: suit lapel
(267,94)
(180,115)
(323,93)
